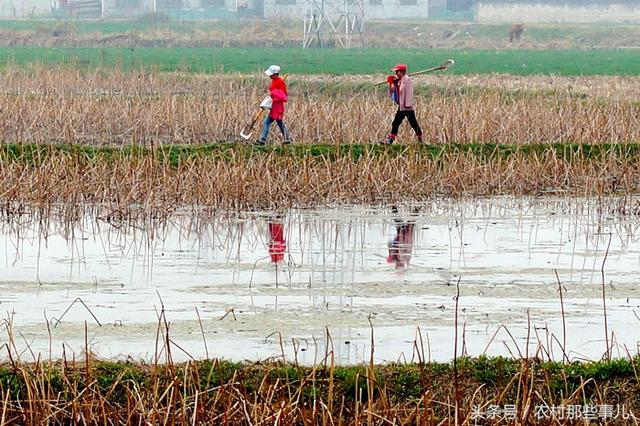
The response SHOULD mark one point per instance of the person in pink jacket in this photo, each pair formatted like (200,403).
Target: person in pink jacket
(278,93)
(401,91)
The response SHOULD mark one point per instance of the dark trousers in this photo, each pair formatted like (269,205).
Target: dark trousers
(400,116)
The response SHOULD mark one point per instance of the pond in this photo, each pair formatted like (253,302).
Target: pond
(303,283)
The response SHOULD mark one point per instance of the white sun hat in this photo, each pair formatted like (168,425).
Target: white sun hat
(273,69)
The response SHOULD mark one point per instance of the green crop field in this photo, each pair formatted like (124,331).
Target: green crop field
(336,62)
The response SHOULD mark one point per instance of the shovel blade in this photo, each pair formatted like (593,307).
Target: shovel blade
(245,137)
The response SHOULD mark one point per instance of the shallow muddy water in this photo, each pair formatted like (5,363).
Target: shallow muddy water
(305,282)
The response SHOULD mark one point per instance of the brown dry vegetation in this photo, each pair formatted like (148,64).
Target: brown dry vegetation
(43,106)
(63,105)
(88,391)
(278,179)
(287,33)
(264,37)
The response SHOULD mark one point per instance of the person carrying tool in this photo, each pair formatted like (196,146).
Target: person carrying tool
(278,93)
(401,91)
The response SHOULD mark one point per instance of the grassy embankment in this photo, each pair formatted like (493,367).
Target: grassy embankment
(221,392)
(173,155)
(159,31)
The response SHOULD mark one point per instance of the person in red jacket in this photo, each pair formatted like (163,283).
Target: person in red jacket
(278,93)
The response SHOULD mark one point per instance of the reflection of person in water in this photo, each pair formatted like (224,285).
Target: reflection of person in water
(401,246)
(277,243)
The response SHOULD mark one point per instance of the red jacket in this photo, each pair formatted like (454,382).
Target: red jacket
(278,92)
(277,243)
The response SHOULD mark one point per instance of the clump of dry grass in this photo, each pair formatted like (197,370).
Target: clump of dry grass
(69,106)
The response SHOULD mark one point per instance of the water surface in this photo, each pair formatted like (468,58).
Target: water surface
(305,282)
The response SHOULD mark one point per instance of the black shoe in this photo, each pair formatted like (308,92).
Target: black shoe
(259,142)
(286,142)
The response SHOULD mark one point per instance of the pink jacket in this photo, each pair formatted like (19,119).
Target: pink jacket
(405,94)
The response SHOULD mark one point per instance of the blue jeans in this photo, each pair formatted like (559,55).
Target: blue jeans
(267,124)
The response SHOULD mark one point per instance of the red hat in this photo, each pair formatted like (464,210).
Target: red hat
(399,67)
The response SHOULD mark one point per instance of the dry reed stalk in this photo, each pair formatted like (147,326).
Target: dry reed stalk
(564,320)
(607,355)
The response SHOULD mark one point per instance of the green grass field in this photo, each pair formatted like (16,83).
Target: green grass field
(336,62)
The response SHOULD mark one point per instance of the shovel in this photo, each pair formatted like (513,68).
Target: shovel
(265,104)
(248,127)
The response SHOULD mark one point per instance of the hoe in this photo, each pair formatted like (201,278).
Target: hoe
(443,66)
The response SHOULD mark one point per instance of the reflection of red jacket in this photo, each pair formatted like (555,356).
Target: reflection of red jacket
(277,243)
(278,92)
(401,246)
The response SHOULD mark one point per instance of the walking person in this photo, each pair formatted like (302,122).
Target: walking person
(278,93)
(401,91)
